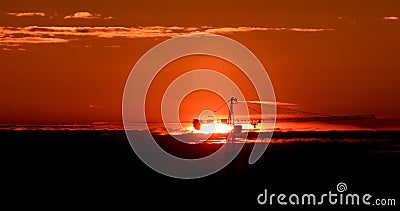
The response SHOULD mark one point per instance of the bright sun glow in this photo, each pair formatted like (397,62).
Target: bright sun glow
(213,128)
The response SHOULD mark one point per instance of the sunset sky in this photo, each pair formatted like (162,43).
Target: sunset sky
(67,61)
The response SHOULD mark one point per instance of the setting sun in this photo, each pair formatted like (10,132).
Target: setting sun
(212,128)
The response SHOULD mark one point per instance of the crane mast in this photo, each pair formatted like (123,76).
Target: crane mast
(231,118)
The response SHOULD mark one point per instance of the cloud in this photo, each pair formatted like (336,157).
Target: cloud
(31,40)
(112,46)
(228,30)
(62,34)
(308,30)
(391,18)
(10,44)
(95,106)
(86,15)
(82,46)
(26,14)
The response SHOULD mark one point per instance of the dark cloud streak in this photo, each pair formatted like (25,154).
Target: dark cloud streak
(62,34)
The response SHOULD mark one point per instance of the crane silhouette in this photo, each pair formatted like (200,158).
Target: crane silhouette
(236,123)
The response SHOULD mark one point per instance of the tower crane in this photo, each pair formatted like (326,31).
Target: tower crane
(236,124)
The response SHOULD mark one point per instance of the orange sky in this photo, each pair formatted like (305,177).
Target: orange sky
(67,61)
